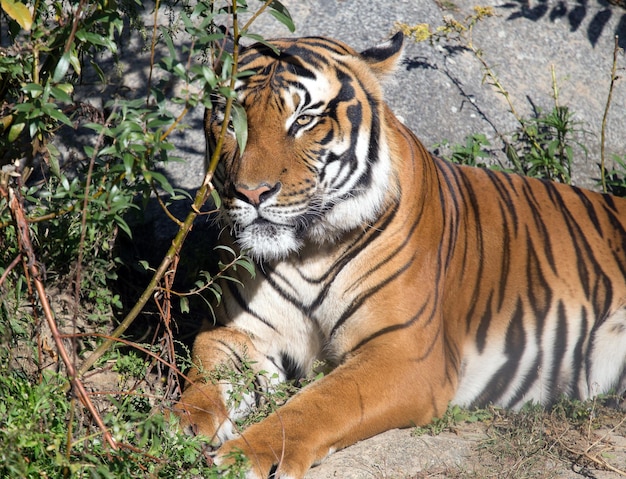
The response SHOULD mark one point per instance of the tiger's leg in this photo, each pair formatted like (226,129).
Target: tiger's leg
(221,360)
(379,388)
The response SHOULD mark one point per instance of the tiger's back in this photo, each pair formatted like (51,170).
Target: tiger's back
(420,282)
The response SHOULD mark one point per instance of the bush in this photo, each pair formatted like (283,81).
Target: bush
(61,214)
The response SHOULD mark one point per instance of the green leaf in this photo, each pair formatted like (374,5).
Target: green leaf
(160,179)
(123,225)
(54,155)
(98,70)
(259,39)
(53,111)
(240,124)
(61,94)
(145,265)
(18,12)
(215,196)
(228,249)
(15,131)
(280,13)
(247,265)
(95,39)
(74,61)
(184,305)
(165,35)
(61,68)
(209,76)
(35,89)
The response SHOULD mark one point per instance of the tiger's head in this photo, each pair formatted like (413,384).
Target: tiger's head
(317,163)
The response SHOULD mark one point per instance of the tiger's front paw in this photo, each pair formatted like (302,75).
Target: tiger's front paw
(202,414)
(258,459)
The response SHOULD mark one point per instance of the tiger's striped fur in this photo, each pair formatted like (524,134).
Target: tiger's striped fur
(420,281)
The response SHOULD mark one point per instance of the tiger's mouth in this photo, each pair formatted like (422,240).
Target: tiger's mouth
(265,240)
(268,227)
(273,232)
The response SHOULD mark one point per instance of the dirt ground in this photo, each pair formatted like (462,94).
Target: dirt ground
(525,445)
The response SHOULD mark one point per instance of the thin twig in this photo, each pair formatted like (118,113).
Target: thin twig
(594,458)
(152,50)
(256,15)
(83,228)
(606,435)
(163,206)
(75,23)
(614,78)
(13,264)
(588,454)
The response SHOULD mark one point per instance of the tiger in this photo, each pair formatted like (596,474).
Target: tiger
(420,283)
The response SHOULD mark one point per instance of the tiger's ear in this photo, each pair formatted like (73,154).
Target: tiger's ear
(383,59)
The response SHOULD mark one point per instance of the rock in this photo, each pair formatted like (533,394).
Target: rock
(395,454)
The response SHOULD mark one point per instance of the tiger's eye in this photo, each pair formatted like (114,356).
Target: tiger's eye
(304,120)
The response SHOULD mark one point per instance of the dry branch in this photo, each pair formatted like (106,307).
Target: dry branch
(16,206)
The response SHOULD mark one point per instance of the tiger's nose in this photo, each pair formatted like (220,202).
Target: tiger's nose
(256,196)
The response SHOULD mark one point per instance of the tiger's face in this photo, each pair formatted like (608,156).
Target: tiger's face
(317,163)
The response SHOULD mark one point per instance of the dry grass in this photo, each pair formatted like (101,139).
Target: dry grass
(572,440)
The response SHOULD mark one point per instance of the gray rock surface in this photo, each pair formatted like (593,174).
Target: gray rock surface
(439,91)
(396,454)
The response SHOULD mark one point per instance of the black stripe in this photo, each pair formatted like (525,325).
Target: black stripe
(397,327)
(536,214)
(292,368)
(556,388)
(578,361)
(446,174)
(619,226)
(505,254)
(591,211)
(539,291)
(483,325)
(472,214)
(354,249)
(383,52)
(504,193)
(589,268)
(515,343)
(234,291)
(335,46)
(358,302)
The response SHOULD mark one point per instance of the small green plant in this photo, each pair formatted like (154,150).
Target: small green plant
(42,436)
(544,146)
(454,416)
(615,178)
(256,391)
(130,365)
(471,153)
